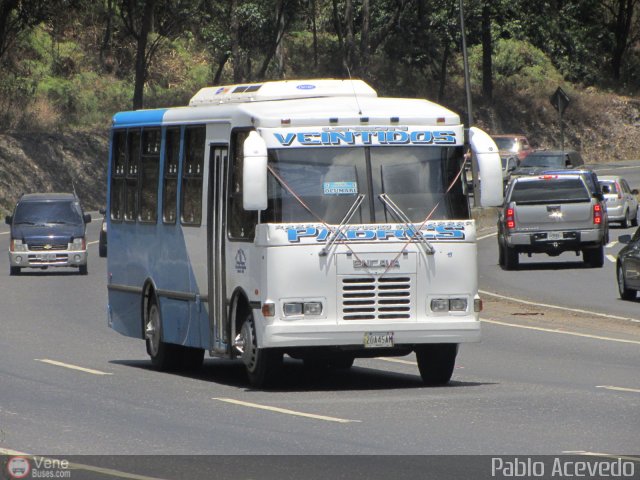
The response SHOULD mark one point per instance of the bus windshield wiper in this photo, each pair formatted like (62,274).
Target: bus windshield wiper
(335,234)
(402,218)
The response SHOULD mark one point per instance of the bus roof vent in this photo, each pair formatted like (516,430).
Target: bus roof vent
(282,90)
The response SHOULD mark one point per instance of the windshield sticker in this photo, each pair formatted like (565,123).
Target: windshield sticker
(340,188)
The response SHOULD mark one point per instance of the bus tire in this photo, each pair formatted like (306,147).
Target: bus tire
(436,362)
(263,365)
(164,356)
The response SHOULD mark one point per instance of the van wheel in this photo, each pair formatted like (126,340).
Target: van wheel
(436,362)
(625,293)
(263,365)
(164,356)
(83,269)
(14,270)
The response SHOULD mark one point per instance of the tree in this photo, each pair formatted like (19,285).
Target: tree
(165,19)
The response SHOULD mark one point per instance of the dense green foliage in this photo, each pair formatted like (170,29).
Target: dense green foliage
(73,63)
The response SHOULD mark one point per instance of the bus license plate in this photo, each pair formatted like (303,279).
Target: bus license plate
(555,236)
(378,339)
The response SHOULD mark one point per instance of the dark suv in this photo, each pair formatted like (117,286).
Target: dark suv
(48,230)
(542,160)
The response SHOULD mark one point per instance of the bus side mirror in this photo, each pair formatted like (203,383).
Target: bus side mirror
(489,167)
(8,219)
(254,173)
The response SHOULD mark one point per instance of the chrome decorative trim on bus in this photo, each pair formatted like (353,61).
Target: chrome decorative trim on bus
(175,295)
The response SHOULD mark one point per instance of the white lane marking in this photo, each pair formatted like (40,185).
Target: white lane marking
(5,233)
(563,332)
(597,454)
(611,244)
(71,367)
(619,389)
(567,309)
(488,235)
(80,466)
(611,258)
(396,360)
(286,411)
(93,243)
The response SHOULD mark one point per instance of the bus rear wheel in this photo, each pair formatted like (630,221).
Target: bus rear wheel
(263,365)
(164,356)
(436,362)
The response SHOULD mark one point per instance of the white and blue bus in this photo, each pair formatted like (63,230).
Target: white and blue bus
(312,219)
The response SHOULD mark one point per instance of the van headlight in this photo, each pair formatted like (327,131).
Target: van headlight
(77,244)
(18,246)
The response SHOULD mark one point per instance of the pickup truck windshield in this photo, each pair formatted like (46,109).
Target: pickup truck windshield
(546,161)
(328,180)
(550,191)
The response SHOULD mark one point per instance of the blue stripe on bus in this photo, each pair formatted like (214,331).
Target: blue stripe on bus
(139,117)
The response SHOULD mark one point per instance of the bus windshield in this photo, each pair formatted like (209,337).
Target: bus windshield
(328,180)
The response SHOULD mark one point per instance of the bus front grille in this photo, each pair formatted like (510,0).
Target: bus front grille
(377,298)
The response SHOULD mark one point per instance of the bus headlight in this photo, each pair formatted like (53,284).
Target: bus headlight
(443,305)
(296,309)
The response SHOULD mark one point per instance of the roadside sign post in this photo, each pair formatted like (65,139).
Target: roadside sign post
(560,101)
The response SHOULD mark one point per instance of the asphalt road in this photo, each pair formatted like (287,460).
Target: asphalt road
(71,386)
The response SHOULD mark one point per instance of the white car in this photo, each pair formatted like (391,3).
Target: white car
(621,201)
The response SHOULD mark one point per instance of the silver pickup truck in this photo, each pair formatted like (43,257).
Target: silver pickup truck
(552,213)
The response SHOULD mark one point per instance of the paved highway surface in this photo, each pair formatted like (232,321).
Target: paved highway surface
(71,386)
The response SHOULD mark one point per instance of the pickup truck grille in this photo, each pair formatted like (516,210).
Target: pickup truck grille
(377,297)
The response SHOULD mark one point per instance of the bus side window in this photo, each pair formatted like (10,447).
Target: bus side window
(242,224)
(118,163)
(192,175)
(170,185)
(149,165)
(131,175)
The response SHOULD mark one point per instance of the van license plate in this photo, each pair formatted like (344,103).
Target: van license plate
(378,339)
(555,236)
(48,257)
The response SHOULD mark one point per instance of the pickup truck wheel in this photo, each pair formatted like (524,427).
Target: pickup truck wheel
(594,257)
(625,293)
(500,254)
(14,270)
(511,260)
(436,362)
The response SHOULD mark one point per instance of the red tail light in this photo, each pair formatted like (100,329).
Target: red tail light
(509,218)
(597,214)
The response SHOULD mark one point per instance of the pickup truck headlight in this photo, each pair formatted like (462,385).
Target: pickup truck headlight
(77,244)
(18,246)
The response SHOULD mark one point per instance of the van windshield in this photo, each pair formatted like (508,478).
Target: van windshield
(47,212)
(328,181)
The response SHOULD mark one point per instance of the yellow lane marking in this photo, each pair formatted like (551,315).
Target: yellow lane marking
(564,332)
(80,466)
(71,367)
(611,258)
(576,310)
(611,244)
(285,411)
(619,389)
(396,360)
(605,455)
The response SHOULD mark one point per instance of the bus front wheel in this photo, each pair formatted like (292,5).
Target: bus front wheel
(436,362)
(262,364)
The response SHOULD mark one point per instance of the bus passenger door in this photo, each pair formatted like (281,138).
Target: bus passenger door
(218,338)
